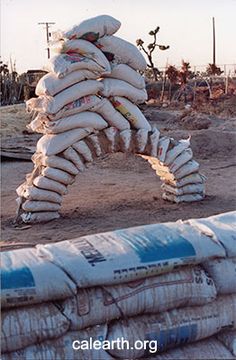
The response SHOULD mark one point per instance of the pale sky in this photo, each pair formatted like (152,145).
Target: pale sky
(185,25)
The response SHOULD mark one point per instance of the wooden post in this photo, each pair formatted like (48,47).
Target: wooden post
(214,41)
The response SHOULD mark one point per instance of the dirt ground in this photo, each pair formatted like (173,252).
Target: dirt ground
(122,190)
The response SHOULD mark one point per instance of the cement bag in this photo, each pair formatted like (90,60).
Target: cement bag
(72,155)
(141,139)
(223,272)
(51,105)
(111,115)
(58,175)
(189,286)
(85,119)
(90,29)
(189,168)
(54,144)
(228,338)
(176,150)
(120,51)
(182,159)
(23,279)
(114,87)
(130,254)
(66,347)
(43,182)
(84,48)
(39,217)
(64,64)
(163,146)
(126,73)
(227,310)
(195,178)
(183,198)
(131,112)
(168,329)
(82,149)
(187,189)
(24,326)
(209,349)
(50,85)
(57,162)
(33,193)
(36,205)
(221,227)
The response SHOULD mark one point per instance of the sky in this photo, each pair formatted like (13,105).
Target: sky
(185,25)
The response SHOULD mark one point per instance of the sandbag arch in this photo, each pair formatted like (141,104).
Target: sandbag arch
(33,208)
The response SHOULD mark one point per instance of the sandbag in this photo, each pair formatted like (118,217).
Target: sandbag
(50,85)
(121,51)
(169,329)
(43,182)
(189,168)
(221,227)
(111,115)
(82,149)
(36,205)
(176,150)
(65,347)
(57,162)
(189,286)
(187,189)
(223,272)
(39,217)
(126,73)
(90,29)
(51,144)
(180,160)
(115,87)
(141,139)
(24,326)
(51,105)
(23,277)
(163,146)
(183,198)
(228,338)
(72,155)
(58,175)
(85,48)
(33,193)
(130,254)
(195,178)
(131,112)
(63,64)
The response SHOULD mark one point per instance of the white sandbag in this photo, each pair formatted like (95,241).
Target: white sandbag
(189,286)
(90,29)
(24,326)
(39,217)
(189,168)
(187,189)
(195,178)
(82,149)
(141,139)
(223,272)
(154,140)
(169,329)
(111,134)
(125,140)
(228,338)
(180,160)
(130,254)
(221,227)
(85,48)
(163,145)
(72,155)
(209,349)
(58,175)
(51,105)
(183,198)
(51,144)
(63,64)
(81,120)
(111,115)
(67,347)
(43,182)
(94,141)
(180,146)
(50,85)
(23,276)
(131,112)
(33,193)
(35,206)
(126,73)
(57,162)
(122,52)
(115,87)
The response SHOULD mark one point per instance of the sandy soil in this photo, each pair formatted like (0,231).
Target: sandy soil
(122,190)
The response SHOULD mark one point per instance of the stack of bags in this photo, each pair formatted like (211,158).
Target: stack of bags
(147,285)
(87,107)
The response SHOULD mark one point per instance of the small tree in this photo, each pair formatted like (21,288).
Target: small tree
(149,51)
(173,75)
(212,69)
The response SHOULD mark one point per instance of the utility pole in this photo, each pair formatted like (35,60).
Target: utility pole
(214,41)
(47,34)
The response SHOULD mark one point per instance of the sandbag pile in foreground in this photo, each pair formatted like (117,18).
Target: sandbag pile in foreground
(147,283)
(87,107)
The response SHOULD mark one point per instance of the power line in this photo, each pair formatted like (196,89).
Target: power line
(47,34)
